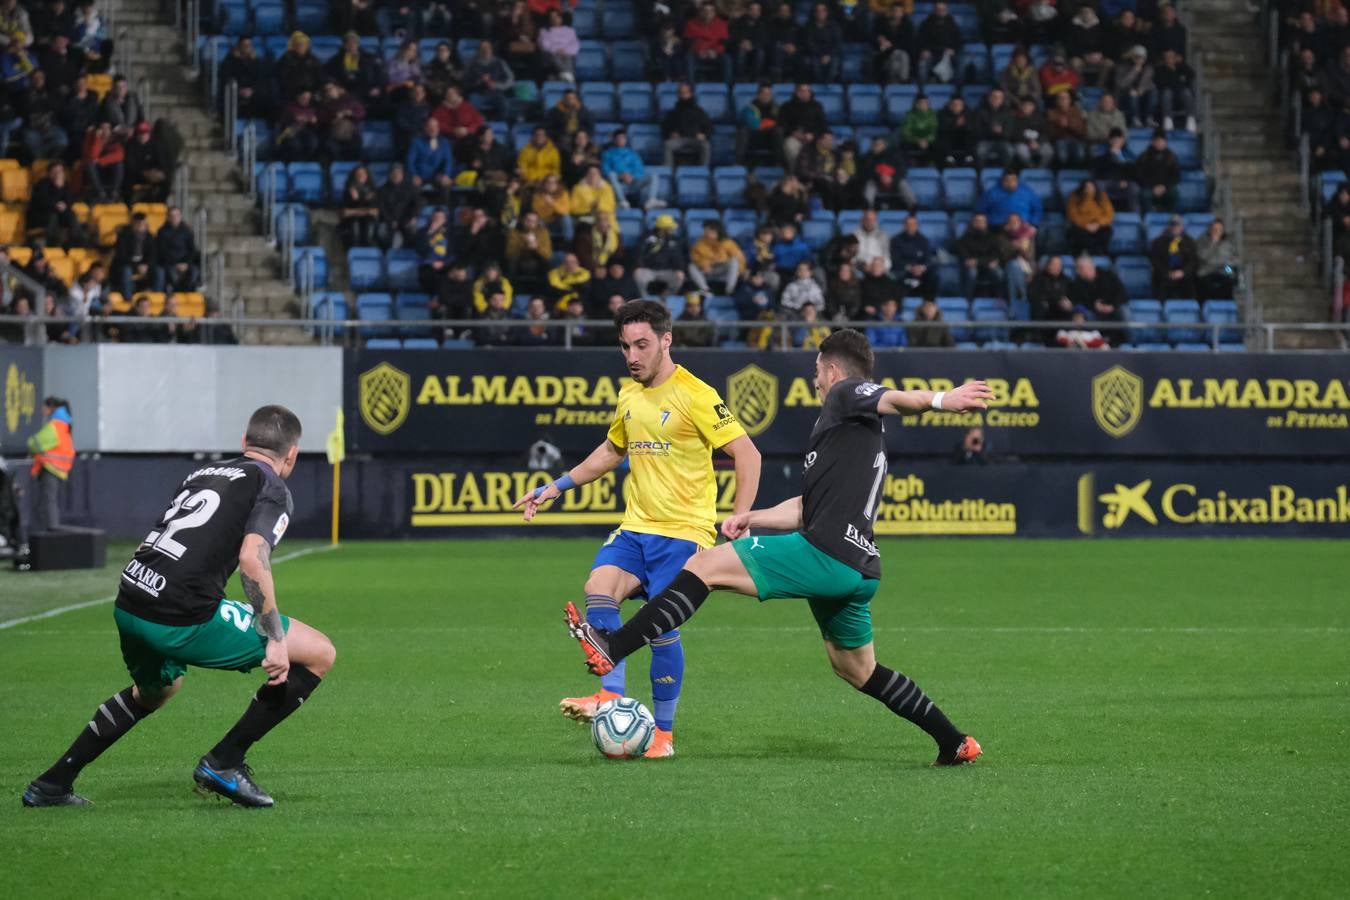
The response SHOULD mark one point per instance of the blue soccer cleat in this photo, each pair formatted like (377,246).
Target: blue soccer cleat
(234,784)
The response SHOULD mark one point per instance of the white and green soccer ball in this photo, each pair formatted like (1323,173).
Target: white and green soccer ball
(623,728)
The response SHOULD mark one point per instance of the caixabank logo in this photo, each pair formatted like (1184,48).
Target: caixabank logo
(20,400)
(1141,506)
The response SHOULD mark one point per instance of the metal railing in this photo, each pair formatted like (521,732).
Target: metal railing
(230,118)
(191,32)
(1338,290)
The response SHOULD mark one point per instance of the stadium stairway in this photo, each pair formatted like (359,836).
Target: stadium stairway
(252,265)
(1278,237)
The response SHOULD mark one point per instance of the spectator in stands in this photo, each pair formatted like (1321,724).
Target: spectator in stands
(1328,137)
(1087,44)
(409,116)
(1017,255)
(529,252)
(399,206)
(1100,292)
(39,269)
(1167,33)
(42,136)
(612,279)
(495,333)
(179,332)
(79,112)
(552,201)
(971,450)
(686,128)
(433,246)
(403,73)
(843,293)
(715,256)
(1173,257)
(893,38)
(749,43)
(538,334)
(176,253)
(298,70)
(596,242)
(784,43)
(559,44)
(357,72)
(758,132)
(1305,73)
(51,211)
(1336,79)
(978,252)
(242,66)
(1066,129)
(479,237)
(1078,335)
(873,242)
(1090,216)
(810,334)
(789,250)
(1217,263)
(801,119)
(1175,82)
(1049,295)
(580,156)
(452,297)
(1103,119)
(458,118)
(622,165)
(939,40)
(90,36)
(491,281)
(692,328)
(706,36)
(759,256)
(956,144)
(60,65)
(134,261)
(840,249)
(822,46)
(1157,172)
(883,171)
(517,35)
(442,71)
(892,337)
(789,202)
(358,210)
(666,56)
(994,128)
(875,286)
(431,163)
(568,281)
(490,80)
(121,108)
(802,291)
(89,294)
(16,28)
(102,158)
(1020,80)
(568,117)
(144,331)
(661,257)
(1009,196)
(1134,87)
(1116,167)
(540,158)
(490,162)
(818,168)
(919,131)
(929,335)
(11,120)
(592,194)
(340,118)
(147,168)
(297,138)
(1030,145)
(1057,77)
(912,259)
(755,297)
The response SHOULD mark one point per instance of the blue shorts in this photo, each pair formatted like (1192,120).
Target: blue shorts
(650,558)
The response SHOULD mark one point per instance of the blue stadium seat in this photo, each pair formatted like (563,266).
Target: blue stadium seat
(1197,223)
(310,259)
(696,216)
(384,343)
(1192,347)
(936,226)
(600,100)
(618,22)
(1145,310)
(974,94)
(742,92)
(1155,224)
(1223,312)
(1232,347)
(675,303)
(338,171)
(767,175)
(591,63)
(269,17)
(400,269)
(722,145)
(635,103)
(848,220)
(306,183)
(817,232)
(1193,192)
(955,309)
(412,308)
(312,18)
(521,133)
(232,18)
(1177,314)
(271,177)
(583,21)
(552,92)
(854,63)
(989,176)
(927,186)
(328,306)
(365,268)
(864,104)
(729,185)
(375,307)
(645,139)
(715,100)
(973,63)
(628,61)
(663,182)
(898,98)
(1042,181)
(1127,234)
(1186,147)
(630,226)
(426,343)
(377,140)
(666,94)
(892,221)
(1000,55)
(296,213)
(959,187)
(939,94)
(833,104)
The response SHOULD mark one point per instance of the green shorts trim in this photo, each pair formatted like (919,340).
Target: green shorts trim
(789,565)
(157,655)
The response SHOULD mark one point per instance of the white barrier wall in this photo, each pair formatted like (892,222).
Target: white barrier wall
(168,399)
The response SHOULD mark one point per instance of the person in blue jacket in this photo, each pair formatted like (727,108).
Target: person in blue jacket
(431,161)
(622,165)
(1007,197)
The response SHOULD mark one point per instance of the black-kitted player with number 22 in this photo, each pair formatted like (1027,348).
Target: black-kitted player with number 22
(170,615)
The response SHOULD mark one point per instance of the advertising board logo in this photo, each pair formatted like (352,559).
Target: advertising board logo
(1184,503)
(752,394)
(20,399)
(385,396)
(1117,400)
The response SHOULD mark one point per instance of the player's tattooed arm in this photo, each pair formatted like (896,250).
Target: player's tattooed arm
(255,573)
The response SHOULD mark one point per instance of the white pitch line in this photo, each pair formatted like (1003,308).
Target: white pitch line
(60,610)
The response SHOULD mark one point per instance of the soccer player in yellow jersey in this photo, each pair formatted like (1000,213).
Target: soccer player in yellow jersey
(667,425)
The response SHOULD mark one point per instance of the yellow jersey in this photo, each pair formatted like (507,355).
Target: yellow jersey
(669,433)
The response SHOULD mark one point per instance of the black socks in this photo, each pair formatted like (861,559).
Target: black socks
(666,613)
(113,718)
(270,706)
(903,697)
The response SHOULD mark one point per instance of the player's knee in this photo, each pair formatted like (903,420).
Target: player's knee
(153,700)
(325,656)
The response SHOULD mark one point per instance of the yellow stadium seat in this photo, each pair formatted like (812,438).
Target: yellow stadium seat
(100,84)
(118,304)
(20,255)
(156,299)
(81,258)
(108,217)
(56,252)
(151,209)
(63,268)
(81,211)
(190,304)
(14,185)
(40,167)
(11,227)
(6,164)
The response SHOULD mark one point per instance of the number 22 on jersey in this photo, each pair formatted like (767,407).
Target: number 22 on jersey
(188,510)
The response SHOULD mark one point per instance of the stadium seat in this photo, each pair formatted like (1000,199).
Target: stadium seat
(628,61)
(729,185)
(1155,224)
(11,226)
(413,308)
(400,269)
(384,344)
(591,63)
(15,186)
(269,17)
(854,63)
(600,99)
(693,187)
(1178,313)
(305,182)
(630,222)
(1223,312)
(927,186)
(156,298)
(864,104)
(338,171)
(898,99)
(1192,347)
(1145,310)
(666,94)
(645,139)
(618,21)
(365,268)
(584,23)
(310,260)
(1136,274)
(377,140)
(328,306)
(375,307)
(636,103)
(1042,181)
(312,18)
(1127,234)
(107,219)
(959,188)
(936,226)
(715,100)
(818,232)
(1193,192)
(740,225)
(191,304)
(974,65)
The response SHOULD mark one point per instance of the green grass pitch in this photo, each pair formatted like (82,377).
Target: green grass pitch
(1159,719)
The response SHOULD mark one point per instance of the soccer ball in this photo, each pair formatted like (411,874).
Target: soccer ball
(623,728)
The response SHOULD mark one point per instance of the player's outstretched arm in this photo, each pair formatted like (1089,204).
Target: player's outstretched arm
(255,571)
(605,458)
(786,516)
(745,455)
(973,395)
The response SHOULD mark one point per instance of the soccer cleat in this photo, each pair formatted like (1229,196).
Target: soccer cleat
(582,709)
(968,752)
(663,745)
(591,639)
(235,785)
(44,793)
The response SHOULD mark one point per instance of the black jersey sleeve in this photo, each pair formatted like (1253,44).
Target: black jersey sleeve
(856,399)
(271,513)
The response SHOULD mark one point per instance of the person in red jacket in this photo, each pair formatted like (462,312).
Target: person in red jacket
(705,41)
(1057,76)
(103,156)
(459,119)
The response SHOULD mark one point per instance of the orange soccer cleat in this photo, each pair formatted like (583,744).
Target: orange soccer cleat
(582,709)
(592,641)
(663,745)
(968,752)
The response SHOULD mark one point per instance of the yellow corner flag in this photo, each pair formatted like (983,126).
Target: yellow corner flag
(337,451)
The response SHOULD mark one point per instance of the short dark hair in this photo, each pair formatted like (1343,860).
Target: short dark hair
(272,429)
(849,349)
(636,311)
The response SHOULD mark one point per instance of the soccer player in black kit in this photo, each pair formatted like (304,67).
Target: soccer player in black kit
(170,615)
(829,557)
